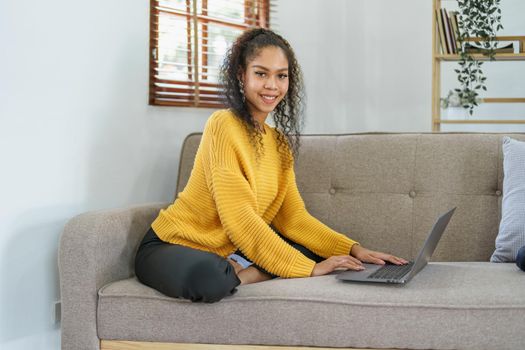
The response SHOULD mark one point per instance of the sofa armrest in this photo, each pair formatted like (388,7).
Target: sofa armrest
(96,248)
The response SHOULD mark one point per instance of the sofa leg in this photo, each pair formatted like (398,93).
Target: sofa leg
(136,345)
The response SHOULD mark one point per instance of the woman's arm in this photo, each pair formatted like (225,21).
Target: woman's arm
(237,207)
(296,223)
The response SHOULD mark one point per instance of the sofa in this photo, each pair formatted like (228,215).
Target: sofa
(384,190)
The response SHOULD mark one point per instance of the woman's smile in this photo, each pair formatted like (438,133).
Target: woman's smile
(269,99)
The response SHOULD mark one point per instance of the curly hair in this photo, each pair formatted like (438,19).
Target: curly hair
(287,114)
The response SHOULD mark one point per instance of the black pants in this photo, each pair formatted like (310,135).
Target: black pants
(179,271)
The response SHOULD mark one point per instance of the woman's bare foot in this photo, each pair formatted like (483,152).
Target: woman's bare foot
(238,267)
(248,275)
(252,275)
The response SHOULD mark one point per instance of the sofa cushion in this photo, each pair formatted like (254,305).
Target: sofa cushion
(446,306)
(511,236)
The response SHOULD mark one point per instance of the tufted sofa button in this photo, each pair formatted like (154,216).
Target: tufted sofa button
(412,194)
(332,191)
(498,193)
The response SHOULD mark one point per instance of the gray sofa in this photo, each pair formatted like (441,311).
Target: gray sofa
(383,190)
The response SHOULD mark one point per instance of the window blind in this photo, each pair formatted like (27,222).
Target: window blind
(188,41)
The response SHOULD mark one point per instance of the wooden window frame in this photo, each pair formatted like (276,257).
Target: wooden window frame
(198,91)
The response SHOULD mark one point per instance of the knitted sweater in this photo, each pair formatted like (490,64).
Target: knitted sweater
(230,201)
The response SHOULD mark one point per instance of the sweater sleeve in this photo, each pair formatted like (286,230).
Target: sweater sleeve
(237,207)
(295,223)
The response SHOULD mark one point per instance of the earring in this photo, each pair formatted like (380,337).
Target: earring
(241,90)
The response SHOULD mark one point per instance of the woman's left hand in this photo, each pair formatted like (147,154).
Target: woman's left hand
(373,257)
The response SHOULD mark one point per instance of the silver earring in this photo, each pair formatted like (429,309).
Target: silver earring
(241,90)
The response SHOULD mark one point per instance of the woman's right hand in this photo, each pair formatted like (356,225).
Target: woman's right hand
(346,262)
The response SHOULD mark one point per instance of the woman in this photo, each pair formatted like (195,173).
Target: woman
(240,219)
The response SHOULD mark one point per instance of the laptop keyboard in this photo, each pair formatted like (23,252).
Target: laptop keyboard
(391,271)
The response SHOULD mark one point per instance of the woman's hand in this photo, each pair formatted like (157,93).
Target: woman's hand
(373,257)
(346,262)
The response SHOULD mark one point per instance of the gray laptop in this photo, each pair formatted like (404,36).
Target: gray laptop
(401,274)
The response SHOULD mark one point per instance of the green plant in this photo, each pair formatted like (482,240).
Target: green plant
(454,100)
(480,19)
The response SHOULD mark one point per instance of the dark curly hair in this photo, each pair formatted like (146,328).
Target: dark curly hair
(287,114)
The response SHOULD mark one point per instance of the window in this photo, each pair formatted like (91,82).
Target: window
(188,41)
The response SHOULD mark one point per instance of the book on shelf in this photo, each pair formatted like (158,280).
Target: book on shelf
(501,47)
(450,33)
(441,33)
(448,36)
(447,46)
(455,28)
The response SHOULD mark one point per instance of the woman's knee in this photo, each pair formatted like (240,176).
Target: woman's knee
(204,279)
(210,280)
(178,271)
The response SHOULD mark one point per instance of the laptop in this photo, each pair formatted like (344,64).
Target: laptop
(401,274)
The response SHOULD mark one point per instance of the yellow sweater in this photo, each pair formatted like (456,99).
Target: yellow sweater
(230,201)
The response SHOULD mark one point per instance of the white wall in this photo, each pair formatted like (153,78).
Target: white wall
(76,133)
(365,67)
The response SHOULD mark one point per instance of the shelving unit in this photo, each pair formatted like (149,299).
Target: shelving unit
(437,58)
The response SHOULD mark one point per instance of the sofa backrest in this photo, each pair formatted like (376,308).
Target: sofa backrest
(386,190)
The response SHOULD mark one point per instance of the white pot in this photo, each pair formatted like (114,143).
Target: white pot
(454,113)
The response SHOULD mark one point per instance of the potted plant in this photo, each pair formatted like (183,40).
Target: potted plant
(480,19)
(453,105)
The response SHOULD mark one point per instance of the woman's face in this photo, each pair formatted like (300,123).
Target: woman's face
(265,81)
